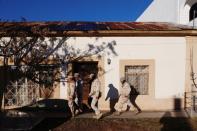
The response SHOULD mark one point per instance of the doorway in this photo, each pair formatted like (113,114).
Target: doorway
(85,69)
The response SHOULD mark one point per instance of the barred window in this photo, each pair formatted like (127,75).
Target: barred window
(138,77)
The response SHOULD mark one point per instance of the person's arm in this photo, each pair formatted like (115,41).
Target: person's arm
(127,89)
(98,85)
(120,92)
(68,91)
(91,89)
(72,90)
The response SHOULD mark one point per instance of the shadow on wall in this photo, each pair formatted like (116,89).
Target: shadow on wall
(177,104)
(112,95)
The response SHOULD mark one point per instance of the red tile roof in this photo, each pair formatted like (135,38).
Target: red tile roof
(60,27)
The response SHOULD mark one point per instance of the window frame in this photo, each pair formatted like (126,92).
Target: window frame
(137,62)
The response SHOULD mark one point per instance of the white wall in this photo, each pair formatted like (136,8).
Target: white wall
(169,54)
(175,11)
(161,11)
(184,12)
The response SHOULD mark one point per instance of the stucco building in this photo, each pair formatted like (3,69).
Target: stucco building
(154,57)
(156,54)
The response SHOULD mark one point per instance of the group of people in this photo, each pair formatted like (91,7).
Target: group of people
(75,93)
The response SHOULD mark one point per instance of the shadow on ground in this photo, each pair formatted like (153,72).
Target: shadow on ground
(54,114)
(170,123)
(49,123)
(42,115)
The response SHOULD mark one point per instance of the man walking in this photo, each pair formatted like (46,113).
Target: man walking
(79,92)
(71,94)
(133,95)
(124,95)
(95,94)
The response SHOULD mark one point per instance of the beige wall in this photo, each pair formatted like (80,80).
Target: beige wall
(191,59)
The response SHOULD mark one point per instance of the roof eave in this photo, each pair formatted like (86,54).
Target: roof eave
(107,33)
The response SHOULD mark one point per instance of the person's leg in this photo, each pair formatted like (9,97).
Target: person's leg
(118,107)
(77,105)
(93,105)
(128,105)
(120,104)
(95,108)
(137,108)
(71,106)
(76,101)
(80,103)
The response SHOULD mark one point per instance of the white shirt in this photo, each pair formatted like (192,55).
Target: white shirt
(95,88)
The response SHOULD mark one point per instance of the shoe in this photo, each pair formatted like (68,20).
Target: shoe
(73,115)
(80,111)
(99,116)
(117,113)
(76,112)
(138,112)
(94,116)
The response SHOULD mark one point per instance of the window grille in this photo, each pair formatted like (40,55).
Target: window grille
(138,77)
(21,93)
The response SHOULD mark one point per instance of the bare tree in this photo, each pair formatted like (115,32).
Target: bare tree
(27,52)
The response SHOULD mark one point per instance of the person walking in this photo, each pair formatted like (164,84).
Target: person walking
(133,95)
(71,94)
(95,93)
(124,95)
(79,92)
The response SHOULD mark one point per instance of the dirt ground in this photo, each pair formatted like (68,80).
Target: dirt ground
(155,124)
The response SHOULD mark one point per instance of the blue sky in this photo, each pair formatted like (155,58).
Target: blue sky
(72,10)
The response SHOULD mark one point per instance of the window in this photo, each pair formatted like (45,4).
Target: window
(19,90)
(193,12)
(22,91)
(138,77)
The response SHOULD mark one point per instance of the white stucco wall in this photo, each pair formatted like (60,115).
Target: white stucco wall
(184,13)
(175,11)
(169,66)
(161,11)
(169,54)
